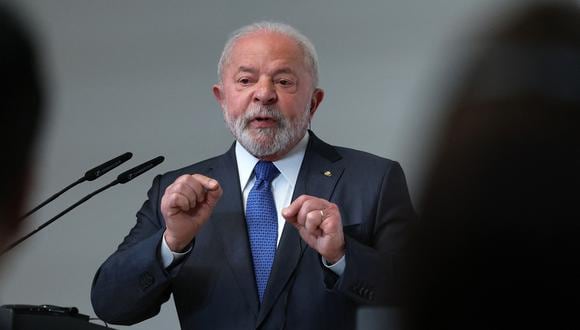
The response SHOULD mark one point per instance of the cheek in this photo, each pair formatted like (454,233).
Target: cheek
(235,109)
(293,107)
(236,103)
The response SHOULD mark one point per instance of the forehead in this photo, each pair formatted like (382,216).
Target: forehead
(263,49)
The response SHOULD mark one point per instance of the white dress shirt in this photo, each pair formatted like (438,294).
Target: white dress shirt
(282,189)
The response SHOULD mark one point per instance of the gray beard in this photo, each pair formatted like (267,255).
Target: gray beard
(269,141)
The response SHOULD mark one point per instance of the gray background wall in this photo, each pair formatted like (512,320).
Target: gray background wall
(135,75)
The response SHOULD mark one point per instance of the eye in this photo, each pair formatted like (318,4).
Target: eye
(244,81)
(285,82)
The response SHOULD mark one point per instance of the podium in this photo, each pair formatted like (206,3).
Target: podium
(45,317)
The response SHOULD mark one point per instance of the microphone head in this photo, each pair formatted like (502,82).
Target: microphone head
(96,172)
(139,169)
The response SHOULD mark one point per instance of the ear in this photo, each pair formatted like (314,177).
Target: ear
(218,93)
(315,100)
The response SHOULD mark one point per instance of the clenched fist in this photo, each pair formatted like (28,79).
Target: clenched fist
(186,205)
(319,223)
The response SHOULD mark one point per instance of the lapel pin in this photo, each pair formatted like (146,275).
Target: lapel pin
(327,173)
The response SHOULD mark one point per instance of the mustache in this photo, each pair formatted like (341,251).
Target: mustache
(255,111)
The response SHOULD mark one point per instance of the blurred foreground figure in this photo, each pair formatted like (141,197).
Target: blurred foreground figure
(21,106)
(498,245)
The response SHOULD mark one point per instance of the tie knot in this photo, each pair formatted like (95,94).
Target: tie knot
(265,171)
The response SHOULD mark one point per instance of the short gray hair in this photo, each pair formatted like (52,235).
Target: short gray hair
(311,58)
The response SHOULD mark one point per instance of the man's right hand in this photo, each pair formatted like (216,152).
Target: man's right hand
(186,205)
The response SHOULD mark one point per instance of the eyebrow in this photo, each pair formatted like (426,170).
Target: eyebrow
(253,70)
(284,70)
(246,69)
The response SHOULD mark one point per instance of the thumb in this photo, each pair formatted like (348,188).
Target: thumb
(290,214)
(294,208)
(214,192)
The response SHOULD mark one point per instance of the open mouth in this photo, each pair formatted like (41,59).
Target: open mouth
(262,122)
(264,118)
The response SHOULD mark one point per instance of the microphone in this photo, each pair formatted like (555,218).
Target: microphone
(121,179)
(96,172)
(139,169)
(90,175)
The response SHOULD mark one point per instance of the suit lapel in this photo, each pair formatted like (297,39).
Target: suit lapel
(319,174)
(229,219)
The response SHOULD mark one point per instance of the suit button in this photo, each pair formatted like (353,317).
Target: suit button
(146,280)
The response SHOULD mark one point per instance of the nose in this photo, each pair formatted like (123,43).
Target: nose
(265,92)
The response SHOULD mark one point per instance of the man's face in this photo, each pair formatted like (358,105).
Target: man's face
(267,94)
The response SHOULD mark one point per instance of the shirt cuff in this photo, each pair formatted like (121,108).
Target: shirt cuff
(337,267)
(167,256)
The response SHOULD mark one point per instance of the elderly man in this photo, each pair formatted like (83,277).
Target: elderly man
(281,231)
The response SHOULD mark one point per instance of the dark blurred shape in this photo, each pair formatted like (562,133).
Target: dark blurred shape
(21,109)
(498,245)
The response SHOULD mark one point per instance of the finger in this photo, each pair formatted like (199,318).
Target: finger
(330,225)
(181,187)
(214,195)
(313,221)
(306,235)
(292,210)
(331,222)
(177,202)
(292,220)
(189,190)
(208,183)
(190,183)
(311,204)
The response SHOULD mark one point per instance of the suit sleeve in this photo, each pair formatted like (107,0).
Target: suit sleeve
(132,283)
(373,257)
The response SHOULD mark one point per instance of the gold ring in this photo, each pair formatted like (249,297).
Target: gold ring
(322,216)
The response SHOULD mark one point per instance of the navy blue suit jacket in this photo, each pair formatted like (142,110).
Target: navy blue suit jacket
(214,287)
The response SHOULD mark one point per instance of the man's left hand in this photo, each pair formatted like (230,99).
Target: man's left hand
(319,223)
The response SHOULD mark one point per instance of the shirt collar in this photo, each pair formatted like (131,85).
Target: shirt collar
(289,166)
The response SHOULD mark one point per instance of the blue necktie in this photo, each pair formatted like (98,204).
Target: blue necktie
(262,222)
